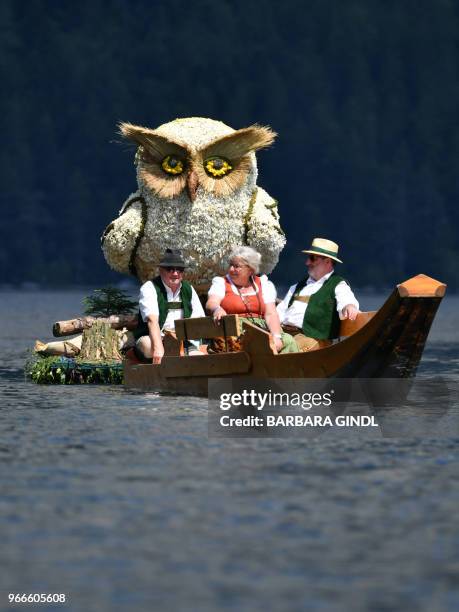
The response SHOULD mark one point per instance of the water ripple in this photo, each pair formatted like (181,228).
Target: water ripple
(121,500)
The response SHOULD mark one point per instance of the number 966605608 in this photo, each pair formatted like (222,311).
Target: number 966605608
(25,598)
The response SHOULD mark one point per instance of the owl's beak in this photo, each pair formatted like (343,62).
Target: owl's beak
(192,184)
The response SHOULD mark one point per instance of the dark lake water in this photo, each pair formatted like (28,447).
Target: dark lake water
(122,502)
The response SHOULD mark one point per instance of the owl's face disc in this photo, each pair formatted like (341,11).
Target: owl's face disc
(186,155)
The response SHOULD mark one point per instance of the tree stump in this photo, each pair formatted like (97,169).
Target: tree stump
(100,343)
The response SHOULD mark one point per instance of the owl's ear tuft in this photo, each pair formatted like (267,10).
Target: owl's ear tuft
(257,136)
(241,142)
(235,149)
(156,145)
(136,133)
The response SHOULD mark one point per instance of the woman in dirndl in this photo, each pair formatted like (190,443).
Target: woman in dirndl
(241,291)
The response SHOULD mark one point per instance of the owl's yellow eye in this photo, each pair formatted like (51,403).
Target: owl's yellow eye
(172,164)
(217,167)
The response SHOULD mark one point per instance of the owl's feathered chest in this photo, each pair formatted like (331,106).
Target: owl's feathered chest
(208,218)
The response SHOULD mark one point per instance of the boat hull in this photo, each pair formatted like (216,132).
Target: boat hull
(389,345)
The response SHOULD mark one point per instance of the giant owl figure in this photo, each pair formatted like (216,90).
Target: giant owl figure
(197,192)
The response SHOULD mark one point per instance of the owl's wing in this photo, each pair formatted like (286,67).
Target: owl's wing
(263,230)
(132,199)
(122,236)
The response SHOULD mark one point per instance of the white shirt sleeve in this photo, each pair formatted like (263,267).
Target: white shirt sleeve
(268,290)
(148,301)
(344,296)
(196,306)
(283,306)
(217,287)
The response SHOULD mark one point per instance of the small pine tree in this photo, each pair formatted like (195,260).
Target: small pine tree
(108,301)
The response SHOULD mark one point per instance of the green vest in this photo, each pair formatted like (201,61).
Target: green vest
(164,306)
(321,320)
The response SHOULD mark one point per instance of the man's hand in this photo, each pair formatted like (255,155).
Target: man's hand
(157,348)
(158,354)
(349,312)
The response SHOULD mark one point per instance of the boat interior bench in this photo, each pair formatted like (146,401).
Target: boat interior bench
(255,339)
(222,364)
(206,327)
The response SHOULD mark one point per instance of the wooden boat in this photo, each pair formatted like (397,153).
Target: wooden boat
(387,343)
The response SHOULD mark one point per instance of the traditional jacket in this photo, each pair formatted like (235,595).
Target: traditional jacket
(164,306)
(321,319)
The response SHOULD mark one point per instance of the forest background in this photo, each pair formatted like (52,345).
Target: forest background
(363,93)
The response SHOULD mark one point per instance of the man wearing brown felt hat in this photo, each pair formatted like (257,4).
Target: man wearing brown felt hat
(163,300)
(312,309)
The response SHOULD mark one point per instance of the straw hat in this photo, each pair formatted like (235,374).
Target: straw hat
(324,247)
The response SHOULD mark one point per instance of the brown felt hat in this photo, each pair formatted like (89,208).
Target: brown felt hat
(172,258)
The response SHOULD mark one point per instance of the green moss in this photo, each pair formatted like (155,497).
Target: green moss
(66,371)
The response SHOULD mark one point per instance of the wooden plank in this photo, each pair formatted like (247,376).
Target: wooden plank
(291,365)
(207,365)
(205,327)
(148,377)
(172,346)
(421,286)
(348,327)
(257,341)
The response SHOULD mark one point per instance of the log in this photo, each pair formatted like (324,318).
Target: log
(100,343)
(65,348)
(76,326)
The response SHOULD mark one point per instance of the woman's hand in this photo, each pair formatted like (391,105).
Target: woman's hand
(213,306)
(218,313)
(272,320)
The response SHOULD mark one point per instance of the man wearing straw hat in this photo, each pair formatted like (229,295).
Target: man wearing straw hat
(163,300)
(312,309)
